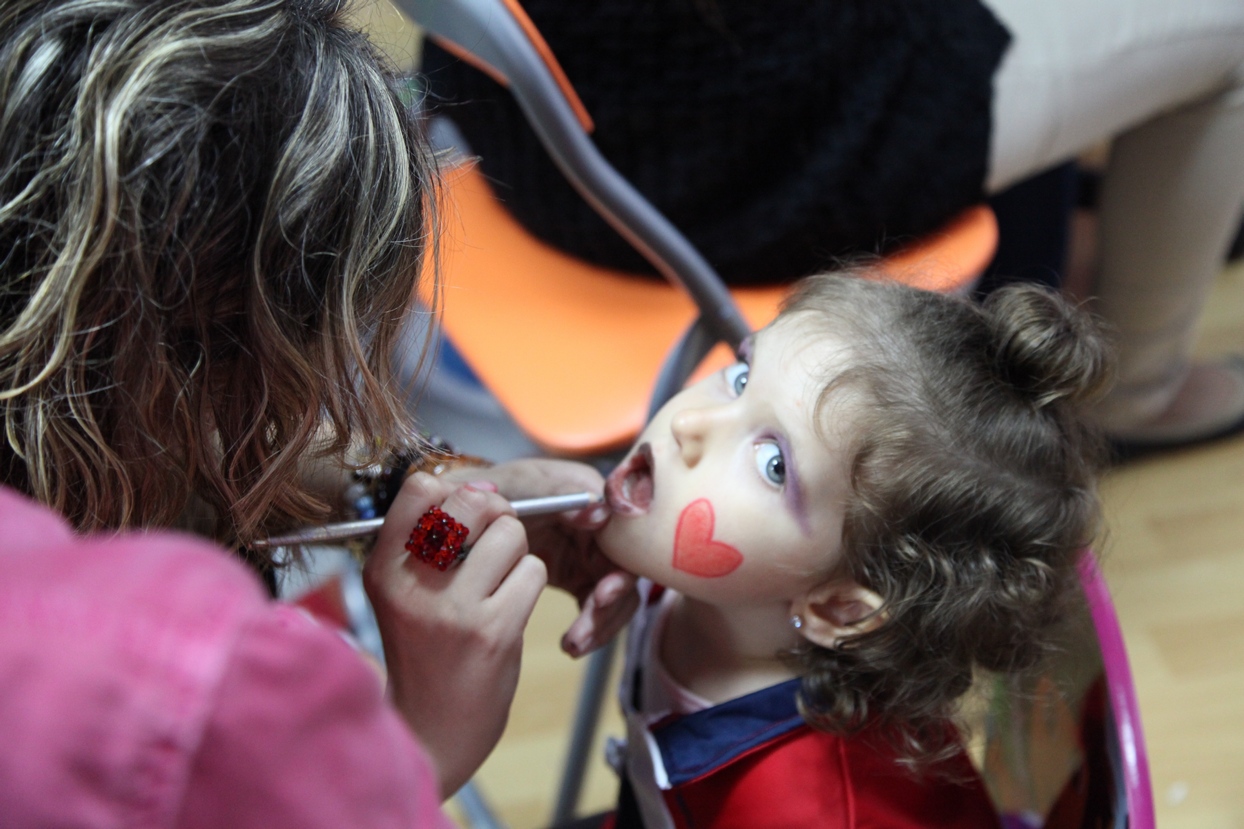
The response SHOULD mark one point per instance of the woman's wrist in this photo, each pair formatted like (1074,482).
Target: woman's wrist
(374,488)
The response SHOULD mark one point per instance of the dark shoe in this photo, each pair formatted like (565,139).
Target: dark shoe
(1126,450)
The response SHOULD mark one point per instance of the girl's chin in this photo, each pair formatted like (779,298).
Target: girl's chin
(607,540)
(622,546)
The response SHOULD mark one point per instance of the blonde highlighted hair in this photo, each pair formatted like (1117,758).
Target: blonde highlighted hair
(212,217)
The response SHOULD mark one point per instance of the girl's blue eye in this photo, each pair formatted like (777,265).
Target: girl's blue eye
(736,377)
(770,463)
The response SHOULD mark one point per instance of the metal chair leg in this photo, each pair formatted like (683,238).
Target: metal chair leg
(587,716)
(475,809)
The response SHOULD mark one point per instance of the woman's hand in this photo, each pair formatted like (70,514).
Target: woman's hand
(453,639)
(566,543)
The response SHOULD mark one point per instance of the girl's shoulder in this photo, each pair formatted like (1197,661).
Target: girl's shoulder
(813,778)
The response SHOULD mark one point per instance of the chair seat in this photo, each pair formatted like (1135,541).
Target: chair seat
(572,350)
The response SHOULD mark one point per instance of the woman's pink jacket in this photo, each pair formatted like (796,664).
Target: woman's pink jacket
(147,681)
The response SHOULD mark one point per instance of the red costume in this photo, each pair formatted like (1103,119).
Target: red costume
(753,763)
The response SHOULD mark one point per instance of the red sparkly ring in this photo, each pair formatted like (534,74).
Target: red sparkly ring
(438,539)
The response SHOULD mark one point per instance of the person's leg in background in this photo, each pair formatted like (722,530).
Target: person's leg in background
(1170,204)
(1167,81)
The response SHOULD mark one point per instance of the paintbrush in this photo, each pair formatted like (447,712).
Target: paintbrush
(346,530)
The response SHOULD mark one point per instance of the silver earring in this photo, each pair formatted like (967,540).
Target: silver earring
(796,622)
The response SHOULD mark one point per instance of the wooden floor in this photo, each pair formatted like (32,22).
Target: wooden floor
(1174,559)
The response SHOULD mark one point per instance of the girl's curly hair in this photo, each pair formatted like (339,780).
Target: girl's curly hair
(212,217)
(973,492)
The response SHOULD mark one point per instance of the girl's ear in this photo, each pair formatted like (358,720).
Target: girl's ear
(838,610)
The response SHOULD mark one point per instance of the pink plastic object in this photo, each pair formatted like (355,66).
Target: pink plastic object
(1122,693)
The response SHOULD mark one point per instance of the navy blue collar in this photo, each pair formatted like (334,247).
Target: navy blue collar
(698,743)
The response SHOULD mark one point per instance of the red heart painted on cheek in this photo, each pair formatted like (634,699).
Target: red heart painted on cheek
(695,551)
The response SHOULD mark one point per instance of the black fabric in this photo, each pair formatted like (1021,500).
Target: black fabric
(776,135)
(1237,247)
(263,567)
(591,822)
(628,816)
(1034,230)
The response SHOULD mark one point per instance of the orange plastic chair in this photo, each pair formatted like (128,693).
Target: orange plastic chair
(572,351)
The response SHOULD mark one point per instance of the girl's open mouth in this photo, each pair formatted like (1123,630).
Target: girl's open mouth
(629,487)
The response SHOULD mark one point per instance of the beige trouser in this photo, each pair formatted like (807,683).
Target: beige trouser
(1165,79)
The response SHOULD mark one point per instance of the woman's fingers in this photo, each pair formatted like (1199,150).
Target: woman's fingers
(419,492)
(531,477)
(496,540)
(453,638)
(515,598)
(495,544)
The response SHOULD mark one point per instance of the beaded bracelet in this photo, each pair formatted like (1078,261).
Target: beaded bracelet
(375,487)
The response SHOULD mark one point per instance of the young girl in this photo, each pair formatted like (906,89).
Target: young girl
(886,494)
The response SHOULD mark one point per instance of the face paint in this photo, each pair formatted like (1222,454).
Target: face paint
(695,551)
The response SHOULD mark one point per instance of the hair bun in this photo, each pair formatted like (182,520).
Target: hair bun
(1046,347)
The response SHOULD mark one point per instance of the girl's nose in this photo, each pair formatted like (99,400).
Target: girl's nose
(691,428)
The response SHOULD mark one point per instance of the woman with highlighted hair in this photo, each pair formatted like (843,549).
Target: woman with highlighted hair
(212,214)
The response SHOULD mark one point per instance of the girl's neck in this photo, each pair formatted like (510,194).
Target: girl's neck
(720,653)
